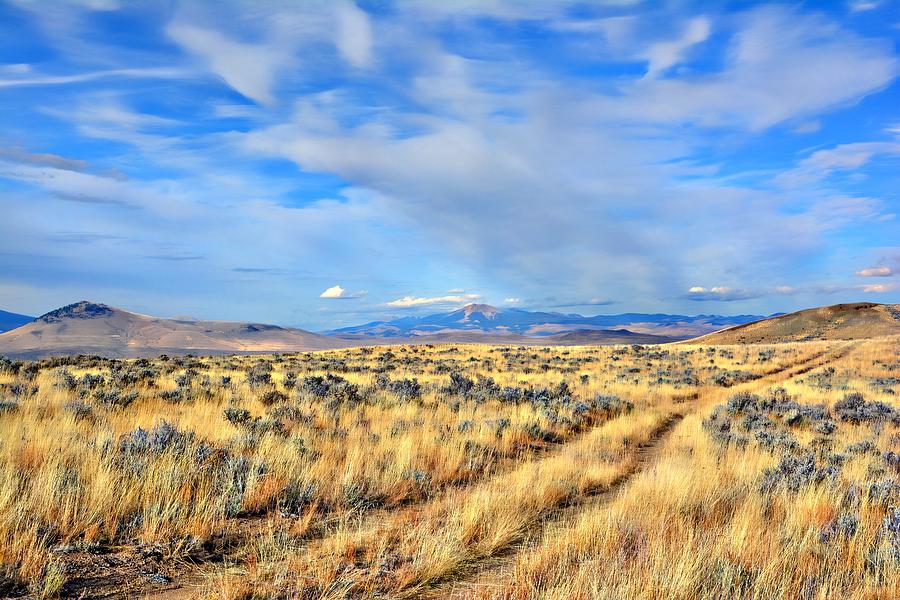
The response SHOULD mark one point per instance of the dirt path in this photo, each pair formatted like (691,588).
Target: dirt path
(492,571)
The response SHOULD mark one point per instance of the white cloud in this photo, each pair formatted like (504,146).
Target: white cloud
(772,74)
(512,300)
(808,127)
(876,272)
(720,293)
(333,292)
(821,163)
(42,159)
(249,69)
(15,68)
(336,292)
(664,55)
(410,302)
(158,73)
(863,5)
(879,288)
(354,34)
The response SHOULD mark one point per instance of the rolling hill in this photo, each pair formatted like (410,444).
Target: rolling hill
(861,320)
(92,328)
(9,320)
(484,318)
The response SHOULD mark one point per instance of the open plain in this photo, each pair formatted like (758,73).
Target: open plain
(676,471)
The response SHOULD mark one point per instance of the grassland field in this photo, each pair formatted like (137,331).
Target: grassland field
(754,471)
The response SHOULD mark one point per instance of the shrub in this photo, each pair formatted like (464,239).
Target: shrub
(535,431)
(406,389)
(884,491)
(612,405)
(890,529)
(273,397)
(260,374)
(459,385)
(164,437)
(66,380)
(236,416)
(172,396)
(795,472)
(844,526)
(79,410)
(333,387)
(115,397)
(854,409)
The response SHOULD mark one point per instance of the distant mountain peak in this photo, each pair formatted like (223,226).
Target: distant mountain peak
(485,309)
(78,310)
(92,328)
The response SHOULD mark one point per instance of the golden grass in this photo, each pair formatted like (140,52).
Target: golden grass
(372,490)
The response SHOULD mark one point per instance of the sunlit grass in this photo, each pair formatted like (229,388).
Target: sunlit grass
(371,484)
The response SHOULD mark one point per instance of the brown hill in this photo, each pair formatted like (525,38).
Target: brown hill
(860,320)
(91,328)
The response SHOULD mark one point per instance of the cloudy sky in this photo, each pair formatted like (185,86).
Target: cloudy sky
(325,163)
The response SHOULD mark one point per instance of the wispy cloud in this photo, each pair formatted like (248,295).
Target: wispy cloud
(248,68)
(720,294)
(42,159)
(150,72)
(864,5)
(845,157)
(585,302)
(354,34)
(876,272)
(664,55)
(411,302)
(176,257)
(879,288)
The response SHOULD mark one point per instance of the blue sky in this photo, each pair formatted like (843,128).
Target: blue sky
(325,163)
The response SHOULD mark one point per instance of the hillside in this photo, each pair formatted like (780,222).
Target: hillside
(91,328)
(9,320)
(862,320)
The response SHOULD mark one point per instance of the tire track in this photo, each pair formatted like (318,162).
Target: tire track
(493,569)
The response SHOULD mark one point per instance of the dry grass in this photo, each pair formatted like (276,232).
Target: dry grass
(282,482)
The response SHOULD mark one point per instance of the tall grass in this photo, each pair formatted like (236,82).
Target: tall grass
(334,472)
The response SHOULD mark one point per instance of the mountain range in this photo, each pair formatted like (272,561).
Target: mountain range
(94,328)
(486,319)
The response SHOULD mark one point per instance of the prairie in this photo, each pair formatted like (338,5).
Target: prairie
(468,471)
